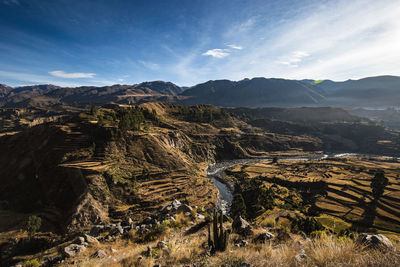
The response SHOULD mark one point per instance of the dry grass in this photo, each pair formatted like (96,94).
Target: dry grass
(184,250)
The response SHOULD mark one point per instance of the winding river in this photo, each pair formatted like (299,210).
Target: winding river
(216,173)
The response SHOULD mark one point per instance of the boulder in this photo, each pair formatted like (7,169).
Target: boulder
(162,245)
(73,250)
(91,239)
(184,208)
(166,208)
(176,204)
(81,241)
(300,257)
(147,252)
(241,226)
(120,230)
(378,241)
(127,222)
(96,230)
(99,254)
(264,237)
(242,243)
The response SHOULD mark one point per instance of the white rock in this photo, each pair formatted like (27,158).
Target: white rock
(73,250)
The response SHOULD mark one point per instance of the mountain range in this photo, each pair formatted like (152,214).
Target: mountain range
(374,92)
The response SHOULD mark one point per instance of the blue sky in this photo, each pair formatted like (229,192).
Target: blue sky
(104,42)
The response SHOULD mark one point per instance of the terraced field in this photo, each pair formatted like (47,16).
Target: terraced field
(345,191)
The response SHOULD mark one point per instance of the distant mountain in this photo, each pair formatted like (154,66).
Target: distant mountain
(42,95)
(371,92)
(4,90)
(380,91)
(254,92)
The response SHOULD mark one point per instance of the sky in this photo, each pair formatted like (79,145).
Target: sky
(103,42)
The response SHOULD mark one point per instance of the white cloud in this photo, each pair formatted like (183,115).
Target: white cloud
(73,75)
(293,59)
(150,65)
(237,47)
(217,53)
(221,53)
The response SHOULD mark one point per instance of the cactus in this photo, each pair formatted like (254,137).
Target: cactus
(219,241)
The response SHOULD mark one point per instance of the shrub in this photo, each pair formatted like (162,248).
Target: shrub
(33,225)
(378,184)
(268,222)
(238,208)
(318,234)
(306,225)
(233,261)
(32,263)
(153,233)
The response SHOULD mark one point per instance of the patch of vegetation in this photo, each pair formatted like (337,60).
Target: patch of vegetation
(32,263)
(238,207)
(378,184)
(153,233)
(318,81)
(335,224)
(201,113)
(33,225)
(306,225)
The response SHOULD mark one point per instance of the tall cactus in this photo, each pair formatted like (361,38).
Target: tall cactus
(219,241)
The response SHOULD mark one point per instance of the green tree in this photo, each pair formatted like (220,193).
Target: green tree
(378,184)
(33,225)
(100,120)
(93,110)
(238,207)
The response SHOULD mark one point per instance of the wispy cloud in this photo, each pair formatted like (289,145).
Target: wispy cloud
(222,52)
(72,75)
(150,65)
(237,47)
(293,59)
(315,43)
(217,53)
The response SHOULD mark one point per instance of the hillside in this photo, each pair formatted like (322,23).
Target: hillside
(380,91)
(254,92)
(104,165)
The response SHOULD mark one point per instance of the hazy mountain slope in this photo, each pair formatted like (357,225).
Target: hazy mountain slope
(254,92)
(377,91)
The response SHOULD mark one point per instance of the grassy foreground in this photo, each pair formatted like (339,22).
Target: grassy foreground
(188,250)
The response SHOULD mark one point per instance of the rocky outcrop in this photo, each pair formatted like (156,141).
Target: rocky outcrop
(264,237)
(73,250)
(378,241)
(241,226)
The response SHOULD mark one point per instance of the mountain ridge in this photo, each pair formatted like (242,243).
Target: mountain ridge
(377,91)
